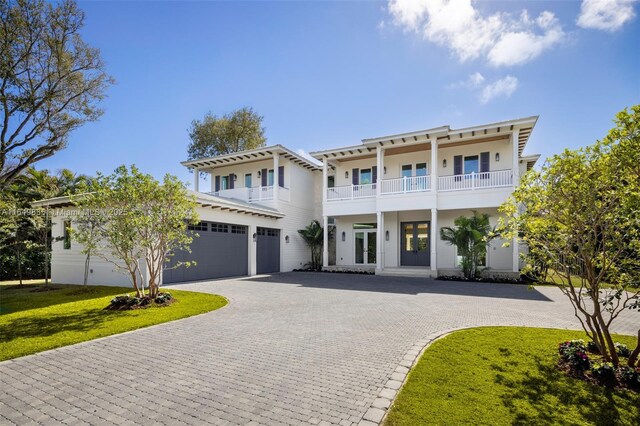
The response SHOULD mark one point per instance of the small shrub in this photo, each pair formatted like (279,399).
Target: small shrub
(574,352)
(163,298)
(630,377)
(592,347)
(622,350)
(123,300)
(605,372)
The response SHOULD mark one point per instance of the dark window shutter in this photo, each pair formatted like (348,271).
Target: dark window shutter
(355,176)
(457,165)
(217,183)
(264,176)
(231,176)
(374,174)
(484,162)
(281,176)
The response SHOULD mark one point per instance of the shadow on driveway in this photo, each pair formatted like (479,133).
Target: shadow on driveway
(400,285)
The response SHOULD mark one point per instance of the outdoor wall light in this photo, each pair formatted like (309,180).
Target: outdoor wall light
(497,156)
(444,164)
(286,239)
(259,173)
(344,236)
(386,235)
(346,175)
(255,237)
(385,169)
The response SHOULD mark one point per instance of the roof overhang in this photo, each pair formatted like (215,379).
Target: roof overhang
(530,160)
(203,200)
(444,135)
(253,155)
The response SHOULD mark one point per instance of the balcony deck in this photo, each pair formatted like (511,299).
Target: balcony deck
(254,194)
(417,184)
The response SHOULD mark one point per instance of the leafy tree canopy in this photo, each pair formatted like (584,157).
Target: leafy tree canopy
(238,131)
(51,81)
(578,216)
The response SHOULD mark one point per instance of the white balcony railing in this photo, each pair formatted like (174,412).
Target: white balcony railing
(350,192)
(406,184)
(255,194)
(472,181)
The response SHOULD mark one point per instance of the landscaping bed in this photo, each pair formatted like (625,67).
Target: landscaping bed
(32,322)
(505,376)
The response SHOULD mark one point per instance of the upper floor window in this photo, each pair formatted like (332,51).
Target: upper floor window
(331,181)
(66,235)
(224,182)
(471,164)
(247,180)
(421,169)
(366,177)
(407,170)
(270,178)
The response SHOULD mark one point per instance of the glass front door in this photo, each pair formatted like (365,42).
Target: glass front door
(365,247)
(415,244)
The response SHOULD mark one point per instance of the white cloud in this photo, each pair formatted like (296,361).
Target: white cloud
(608,15)
(459,26)
(503,87)
(475,80)
(477,83)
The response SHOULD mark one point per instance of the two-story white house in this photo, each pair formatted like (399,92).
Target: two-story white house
(384,199)
(390,195)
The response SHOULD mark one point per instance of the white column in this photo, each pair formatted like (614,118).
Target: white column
(325,241)
(325,179)
(380,242)
(516,182)
(252,257)
(213,181)
(433,169)
(380,165)
(276,178)
(434,240)
(516,158)
(196,179)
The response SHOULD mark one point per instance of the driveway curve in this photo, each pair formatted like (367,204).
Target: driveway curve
(295,348)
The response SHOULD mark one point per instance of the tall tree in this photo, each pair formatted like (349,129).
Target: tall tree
(238,131)
(579,216)
(51,81)
(136,222)
(470,236)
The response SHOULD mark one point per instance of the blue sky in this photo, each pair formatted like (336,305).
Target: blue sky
(327,74)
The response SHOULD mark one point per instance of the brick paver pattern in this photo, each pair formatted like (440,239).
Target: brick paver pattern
(289,349)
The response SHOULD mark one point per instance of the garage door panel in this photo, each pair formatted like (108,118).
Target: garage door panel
(216,254)
(268,251)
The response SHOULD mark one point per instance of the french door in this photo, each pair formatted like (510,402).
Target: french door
(365,247)
(415,244)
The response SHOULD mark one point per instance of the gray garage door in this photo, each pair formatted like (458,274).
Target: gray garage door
(268,256)
(219,251)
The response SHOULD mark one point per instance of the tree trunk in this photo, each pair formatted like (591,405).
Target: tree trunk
(19,259)
(86,268)
(633,358)
(607,336)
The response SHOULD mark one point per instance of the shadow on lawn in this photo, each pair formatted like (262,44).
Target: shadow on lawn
(23,299)
(539,395)
(47,326)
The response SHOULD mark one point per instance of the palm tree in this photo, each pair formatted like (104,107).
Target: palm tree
(471,235)
(313,235)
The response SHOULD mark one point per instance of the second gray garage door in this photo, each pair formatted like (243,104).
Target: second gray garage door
(221,250)
(268,251)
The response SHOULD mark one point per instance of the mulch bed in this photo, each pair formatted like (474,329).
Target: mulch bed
(129,303)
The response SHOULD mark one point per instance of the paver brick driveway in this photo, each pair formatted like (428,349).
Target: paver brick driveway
(294,348)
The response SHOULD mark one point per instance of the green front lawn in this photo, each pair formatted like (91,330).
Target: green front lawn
(504,376)
(32,322)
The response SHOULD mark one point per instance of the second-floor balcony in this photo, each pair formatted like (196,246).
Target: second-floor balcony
(255,194)
(417,184)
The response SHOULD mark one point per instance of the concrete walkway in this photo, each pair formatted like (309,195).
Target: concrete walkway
(296,348)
